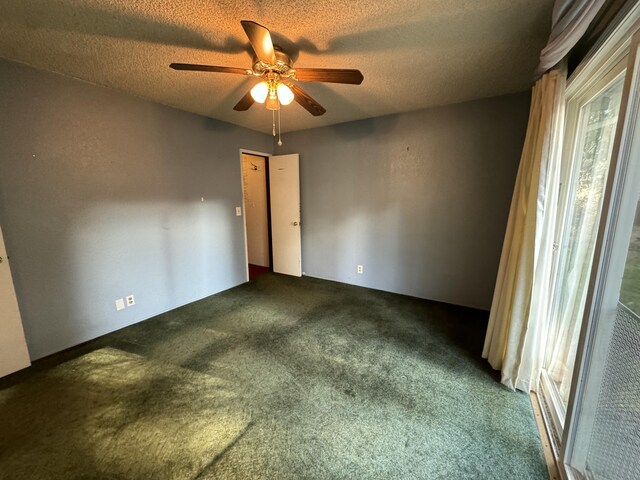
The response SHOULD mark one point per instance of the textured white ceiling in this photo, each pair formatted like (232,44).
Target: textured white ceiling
(413,53)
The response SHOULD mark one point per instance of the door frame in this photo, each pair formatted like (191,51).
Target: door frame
(267,156)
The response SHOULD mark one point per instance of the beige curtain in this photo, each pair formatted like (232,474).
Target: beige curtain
(520,311)
(521,300)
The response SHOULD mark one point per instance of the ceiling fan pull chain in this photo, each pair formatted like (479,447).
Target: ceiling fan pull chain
(279,130)
(273,117)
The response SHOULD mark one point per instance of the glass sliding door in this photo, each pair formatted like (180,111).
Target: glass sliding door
(589,389)
(601,437)
(591,135)
(597,124)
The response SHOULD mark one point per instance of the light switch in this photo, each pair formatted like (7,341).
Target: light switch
(120,304)
(238,211)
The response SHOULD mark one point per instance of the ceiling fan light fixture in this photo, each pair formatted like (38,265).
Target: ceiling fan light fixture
(285,95)
(274,67)
(260,91)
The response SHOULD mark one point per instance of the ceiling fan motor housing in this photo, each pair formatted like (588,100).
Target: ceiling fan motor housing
(282,65)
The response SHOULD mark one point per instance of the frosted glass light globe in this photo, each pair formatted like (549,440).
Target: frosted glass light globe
(285,95)
(260,91)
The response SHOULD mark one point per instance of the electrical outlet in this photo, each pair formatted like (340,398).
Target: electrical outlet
(120,304)
(360,269)
(238,211)
(131,301)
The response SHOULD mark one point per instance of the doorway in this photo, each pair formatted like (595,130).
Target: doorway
(271,202)
(255,191)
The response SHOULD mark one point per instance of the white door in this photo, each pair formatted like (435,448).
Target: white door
(13,347)
(284,183)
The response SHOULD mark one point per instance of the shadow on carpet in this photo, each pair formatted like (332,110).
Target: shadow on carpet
(111,414)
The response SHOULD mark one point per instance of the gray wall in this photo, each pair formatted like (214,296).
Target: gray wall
(100,197)
(420,199)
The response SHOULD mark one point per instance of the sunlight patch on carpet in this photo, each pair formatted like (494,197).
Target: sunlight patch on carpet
(117,415)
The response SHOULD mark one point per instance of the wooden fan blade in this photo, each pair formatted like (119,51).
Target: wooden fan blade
(245,102)
(303,98)
(208,68)
(260,39)
(329,75)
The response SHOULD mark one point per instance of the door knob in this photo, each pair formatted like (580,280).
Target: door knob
(295,224)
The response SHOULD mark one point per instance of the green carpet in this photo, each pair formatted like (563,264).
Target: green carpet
(286,378)
(112,414)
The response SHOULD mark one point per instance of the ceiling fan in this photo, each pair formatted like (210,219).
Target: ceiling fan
(274,66)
